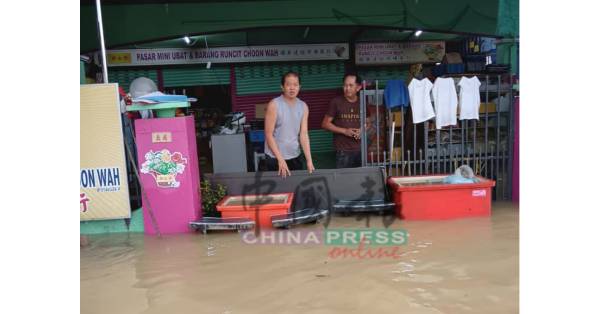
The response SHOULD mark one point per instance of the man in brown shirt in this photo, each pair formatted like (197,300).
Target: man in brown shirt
(343,119)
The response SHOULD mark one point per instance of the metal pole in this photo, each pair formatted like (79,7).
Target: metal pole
(487,100)
(415,146)
(392,131)
(421,161)
(475,122)
(467,141)
(363,126)
(408,163)
(384,160)
(444,162)
(432,163)
(437,151)
(397,160)
(448,160)
(511,137)
(377,115)
(451,146)
(426,145)
(462,141)
(475,143)
(498,118)
(504,174)
(102,47)
(403,163)
(492,173)
(402,139)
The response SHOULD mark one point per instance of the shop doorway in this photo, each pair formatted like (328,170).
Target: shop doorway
(214,102)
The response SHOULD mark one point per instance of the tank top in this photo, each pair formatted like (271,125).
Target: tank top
(287,128)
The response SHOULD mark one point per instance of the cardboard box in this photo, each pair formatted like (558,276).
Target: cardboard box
(491,107)
(259,111)
(452,58)
(397,117)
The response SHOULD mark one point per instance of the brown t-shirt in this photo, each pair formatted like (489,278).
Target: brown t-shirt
(345,114)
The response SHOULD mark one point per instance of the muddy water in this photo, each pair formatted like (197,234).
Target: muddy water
(457,266)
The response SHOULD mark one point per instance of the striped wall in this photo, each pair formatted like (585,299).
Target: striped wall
(317,101)
(266,78)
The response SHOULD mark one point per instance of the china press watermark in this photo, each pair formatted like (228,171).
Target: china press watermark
(342,243)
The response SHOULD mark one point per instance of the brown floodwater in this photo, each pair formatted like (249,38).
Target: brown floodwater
(453,266)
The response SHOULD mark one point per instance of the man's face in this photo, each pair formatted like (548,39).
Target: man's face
(291,86)
(351,87)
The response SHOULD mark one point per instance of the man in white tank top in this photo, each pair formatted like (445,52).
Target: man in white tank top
(286,129)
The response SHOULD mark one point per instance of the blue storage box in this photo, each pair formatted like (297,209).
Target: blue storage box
(257,136)
(442,69)
(455,68)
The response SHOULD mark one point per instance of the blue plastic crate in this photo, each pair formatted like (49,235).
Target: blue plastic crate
(455,68)
(257,136)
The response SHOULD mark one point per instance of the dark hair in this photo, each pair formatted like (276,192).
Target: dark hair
(358,80)
(289,73)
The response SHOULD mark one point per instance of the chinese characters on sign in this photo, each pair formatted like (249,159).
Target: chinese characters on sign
(161,137)
(399,52)
(137,57)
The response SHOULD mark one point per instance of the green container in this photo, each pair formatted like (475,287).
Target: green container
(162,110)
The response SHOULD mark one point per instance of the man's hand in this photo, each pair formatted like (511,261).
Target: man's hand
(353,133)
(283,168)
(310,167)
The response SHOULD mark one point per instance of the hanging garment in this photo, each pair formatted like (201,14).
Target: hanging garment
(469,98)
(445,101)
(420,100)
(395,94)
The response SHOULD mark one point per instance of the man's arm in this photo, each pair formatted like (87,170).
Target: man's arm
(305,142)
(270,119)
(327,124)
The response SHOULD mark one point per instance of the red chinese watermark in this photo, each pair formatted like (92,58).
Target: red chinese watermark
(83,200)
(365,253)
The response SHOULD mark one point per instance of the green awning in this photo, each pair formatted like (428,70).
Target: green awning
(126,24)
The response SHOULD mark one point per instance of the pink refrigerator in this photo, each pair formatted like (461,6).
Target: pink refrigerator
(168,165)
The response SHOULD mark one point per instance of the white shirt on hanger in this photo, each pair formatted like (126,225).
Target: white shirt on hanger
(420,100)
(446,102)
(469,98)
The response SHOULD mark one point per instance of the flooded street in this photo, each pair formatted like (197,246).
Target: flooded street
(455,266)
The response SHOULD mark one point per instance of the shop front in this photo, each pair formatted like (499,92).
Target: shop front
(230,83)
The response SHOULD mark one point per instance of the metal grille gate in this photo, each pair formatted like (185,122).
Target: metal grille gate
(485,145)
